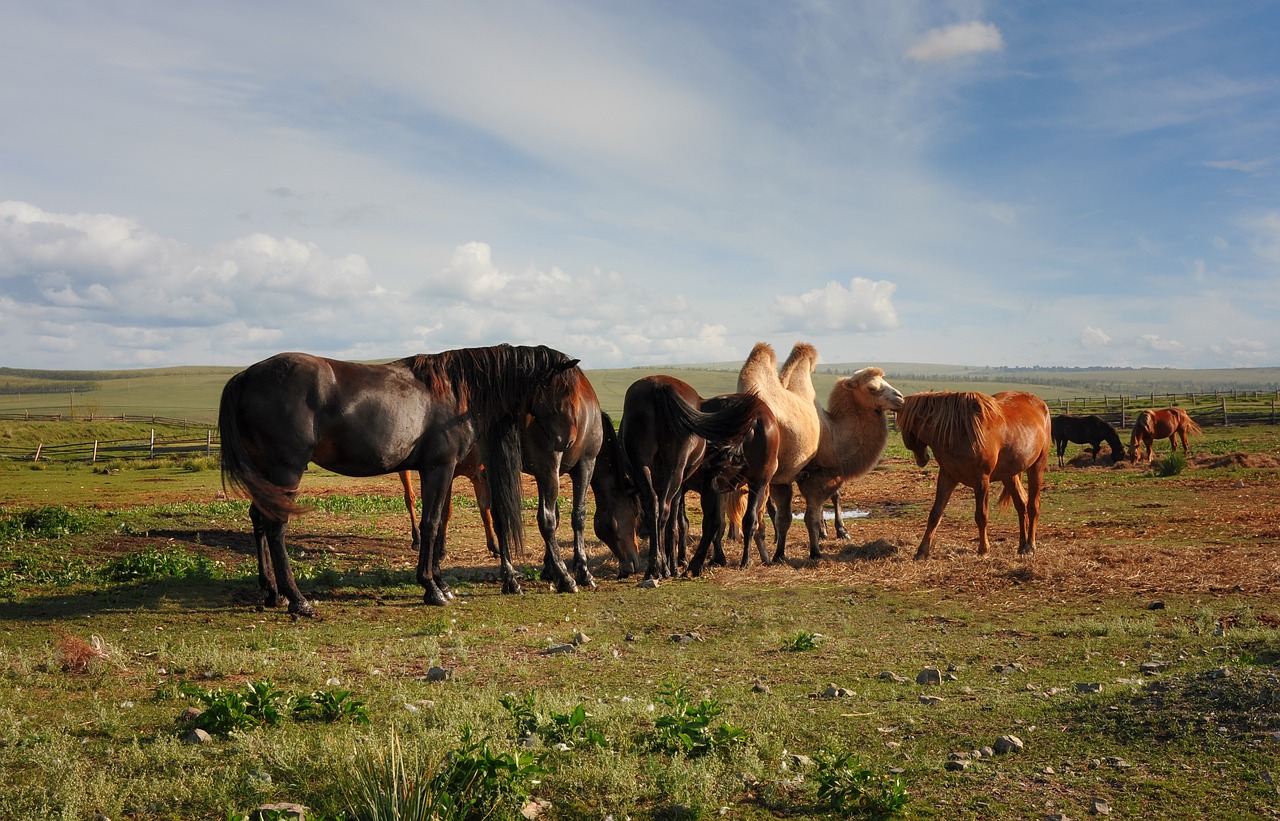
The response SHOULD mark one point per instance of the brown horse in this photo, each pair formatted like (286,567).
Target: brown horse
(664,437)
(978,439)
(423,413)
(1165,423)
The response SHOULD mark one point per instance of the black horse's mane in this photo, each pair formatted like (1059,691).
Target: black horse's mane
(489,379)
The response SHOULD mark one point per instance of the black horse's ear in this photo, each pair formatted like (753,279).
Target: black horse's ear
(570,365)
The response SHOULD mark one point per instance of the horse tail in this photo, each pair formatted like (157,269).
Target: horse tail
(1007,495)
(500,455)
(238,469)
(1189,424)
(725,426)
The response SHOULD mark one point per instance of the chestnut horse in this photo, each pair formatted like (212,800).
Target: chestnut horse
(423,413)
(1086,430)
(978,439)
(664,437)
(1165,423)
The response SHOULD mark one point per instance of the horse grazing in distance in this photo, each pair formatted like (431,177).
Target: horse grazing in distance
(423,413)
(1086,430)
(664,437)
(978,439)
(617,516)
(579,413)
(1165,423)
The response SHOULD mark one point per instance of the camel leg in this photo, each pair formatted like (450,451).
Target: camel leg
(411,505)
(780,496)
(842,532)
(946,486)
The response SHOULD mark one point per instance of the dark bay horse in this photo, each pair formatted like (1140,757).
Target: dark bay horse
(752,463)
(1086,430)
(423,413)
(617,515)
(579,413)
(664,436)
(978,439)
(1165,423)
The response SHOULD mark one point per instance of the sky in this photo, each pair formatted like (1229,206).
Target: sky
(995,184)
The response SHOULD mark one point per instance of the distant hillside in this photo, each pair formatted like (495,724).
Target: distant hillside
(192,392)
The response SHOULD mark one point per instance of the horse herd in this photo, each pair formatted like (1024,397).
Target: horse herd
(489,413)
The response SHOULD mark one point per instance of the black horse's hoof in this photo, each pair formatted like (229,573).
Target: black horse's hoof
(586,580)
(511,588)
(272,600)
(434,598)
(302,609)
(566,585)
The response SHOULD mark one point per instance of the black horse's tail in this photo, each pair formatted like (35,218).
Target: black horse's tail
(726,425)
(500,455)
(238,469)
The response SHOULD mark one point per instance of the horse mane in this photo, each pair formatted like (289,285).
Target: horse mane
(486,381)
(948,421)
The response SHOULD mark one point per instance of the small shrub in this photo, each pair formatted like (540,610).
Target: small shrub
(687,728)
(49,522)
(1171,465)
(227,712)
(847,787)
(801,642)
(331,706)
(159,563)
(522,712)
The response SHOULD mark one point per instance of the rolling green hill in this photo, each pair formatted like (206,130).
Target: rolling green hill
(192,393)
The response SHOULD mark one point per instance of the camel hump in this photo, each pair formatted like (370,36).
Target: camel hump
(760,368)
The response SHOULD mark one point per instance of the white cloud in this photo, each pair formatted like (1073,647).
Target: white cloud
(1247,166)
(1266,237)
(865,305)
(1153,342)
(1094,338)
(959,40)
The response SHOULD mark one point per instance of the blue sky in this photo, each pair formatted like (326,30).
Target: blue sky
(1024,183)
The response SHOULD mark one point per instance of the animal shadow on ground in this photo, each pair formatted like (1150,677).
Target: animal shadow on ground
(871,551)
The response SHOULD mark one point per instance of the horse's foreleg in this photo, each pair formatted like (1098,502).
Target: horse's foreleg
(553,568)
(981,496)
(580,476)
(650,510)
(946,486)
(780,496)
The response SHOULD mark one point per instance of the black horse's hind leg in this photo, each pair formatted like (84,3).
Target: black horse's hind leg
(266,571)
(780,496)
(435,500)
(279,560)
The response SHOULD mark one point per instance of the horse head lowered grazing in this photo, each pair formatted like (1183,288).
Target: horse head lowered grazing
(1086,430)
(978,439)
(423,413)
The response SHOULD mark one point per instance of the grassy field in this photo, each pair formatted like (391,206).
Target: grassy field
(1136,657)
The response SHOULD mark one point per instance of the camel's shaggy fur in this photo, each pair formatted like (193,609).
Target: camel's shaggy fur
(798,422)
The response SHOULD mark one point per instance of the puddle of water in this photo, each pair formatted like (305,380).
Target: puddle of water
(830,515)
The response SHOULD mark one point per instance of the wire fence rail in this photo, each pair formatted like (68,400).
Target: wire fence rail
(1207,409)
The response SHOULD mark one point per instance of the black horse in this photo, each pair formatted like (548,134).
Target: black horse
(1086,430)
(423,413)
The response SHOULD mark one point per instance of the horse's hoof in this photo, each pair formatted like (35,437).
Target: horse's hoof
(1026,551)
(302,609)
(271,600)
(567,585)
(511,588)
(586,580)
(815,555)
(921,555)
(436,599)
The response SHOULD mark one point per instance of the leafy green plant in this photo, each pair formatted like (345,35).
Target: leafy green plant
(849,788)
(522,711)
(689,728)
(482,780)
(801,642)
(159,563)
(572,728)
(48,522)
(331,706)
(227,712)
(1171,465)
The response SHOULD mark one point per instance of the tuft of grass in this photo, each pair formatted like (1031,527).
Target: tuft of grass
(159,563)
(1171,465)
(802,641)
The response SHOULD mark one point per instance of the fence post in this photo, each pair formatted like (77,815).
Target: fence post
(1122,422)
(208,442)
(152,453)
(1224,412)
(94,460)
(36,458)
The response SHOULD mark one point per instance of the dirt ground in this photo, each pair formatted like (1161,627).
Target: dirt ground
(1204,531)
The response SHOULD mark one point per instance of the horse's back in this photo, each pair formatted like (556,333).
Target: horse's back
(1025,432)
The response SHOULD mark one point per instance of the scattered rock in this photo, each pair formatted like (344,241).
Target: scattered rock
(929,675)
(1088,687)
(197,736)
(931,699)
(558,649)
(760,687)
(959,755)
(889,675)
(833,691)
(1008,744)
(293,812)
(188,715)
(800,760)
(533,808)
(648,584)
(686,638)
(253,777)
(436,673)
(1153,667)
(1118,763)
(1099,806)
(1155,605)
(1016,667)
(580,638)
(1221,672)
(630,637)
(333,681)
(958,765)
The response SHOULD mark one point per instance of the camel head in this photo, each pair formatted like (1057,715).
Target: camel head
(865,390)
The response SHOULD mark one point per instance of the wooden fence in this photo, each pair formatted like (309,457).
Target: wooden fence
(1207,409)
